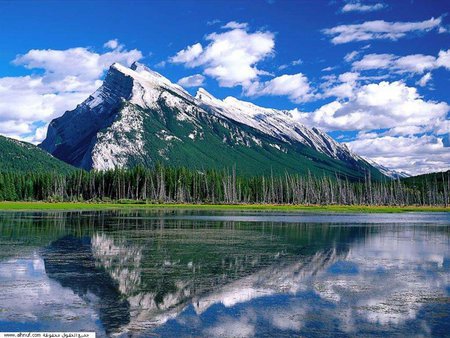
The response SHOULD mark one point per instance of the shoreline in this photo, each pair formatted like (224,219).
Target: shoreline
(81,206)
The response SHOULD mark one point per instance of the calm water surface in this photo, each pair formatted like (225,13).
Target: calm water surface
(187,273)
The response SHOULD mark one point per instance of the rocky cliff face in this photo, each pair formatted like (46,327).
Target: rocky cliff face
(73,136)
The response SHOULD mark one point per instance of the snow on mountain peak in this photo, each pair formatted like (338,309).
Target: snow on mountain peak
(142,74)
(207,98)
(147,85)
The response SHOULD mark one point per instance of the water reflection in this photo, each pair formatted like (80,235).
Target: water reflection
(138,273)
(70,261)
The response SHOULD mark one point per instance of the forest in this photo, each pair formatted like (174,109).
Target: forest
(181,185)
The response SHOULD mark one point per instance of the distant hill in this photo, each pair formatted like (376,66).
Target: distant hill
(422,182)
(22,156)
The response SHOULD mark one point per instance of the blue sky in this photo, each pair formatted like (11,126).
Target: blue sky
(374,74)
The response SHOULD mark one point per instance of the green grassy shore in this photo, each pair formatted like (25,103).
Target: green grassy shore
(238,207)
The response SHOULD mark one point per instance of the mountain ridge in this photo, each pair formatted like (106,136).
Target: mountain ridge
(138,116)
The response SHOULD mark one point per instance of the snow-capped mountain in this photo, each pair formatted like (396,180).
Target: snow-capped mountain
(139,117)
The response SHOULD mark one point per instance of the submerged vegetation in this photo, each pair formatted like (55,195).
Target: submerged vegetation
(180,185)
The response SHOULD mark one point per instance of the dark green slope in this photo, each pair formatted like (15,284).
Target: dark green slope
(25,157)
(219,148)
(421,182)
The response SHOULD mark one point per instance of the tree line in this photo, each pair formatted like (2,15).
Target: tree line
(181,185)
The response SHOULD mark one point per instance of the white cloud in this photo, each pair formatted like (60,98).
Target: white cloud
(111,44)
(408,121)
(213,22)
(235,25)
(373,61)
(160,64)
(79,62)
(379,106)
(188,55)
(424,80)
(416,63)
(196,80)
(379,29)
(443,59)
(69,77)
(341,87)
(231,56)
(295,86)
(293,63)
(359,7)
(414,154)
(242,326)
(351,56)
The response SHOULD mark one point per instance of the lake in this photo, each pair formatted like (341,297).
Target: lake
(201,273)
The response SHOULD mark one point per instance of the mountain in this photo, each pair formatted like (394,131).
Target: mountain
(21,156)
(279,124)
(139,117)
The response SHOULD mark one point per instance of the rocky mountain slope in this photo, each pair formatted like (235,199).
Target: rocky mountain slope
(139,117)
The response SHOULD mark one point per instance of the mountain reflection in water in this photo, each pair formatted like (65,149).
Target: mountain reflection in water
(69,260)
(141,273)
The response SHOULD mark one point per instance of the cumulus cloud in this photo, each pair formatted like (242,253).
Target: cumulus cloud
(397,127)
(414,154)
(379,29)
(230,57)
(188,55)
(379,106)
(196,80)
(341,86)
(296,87)
(69,77)
(415,63)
